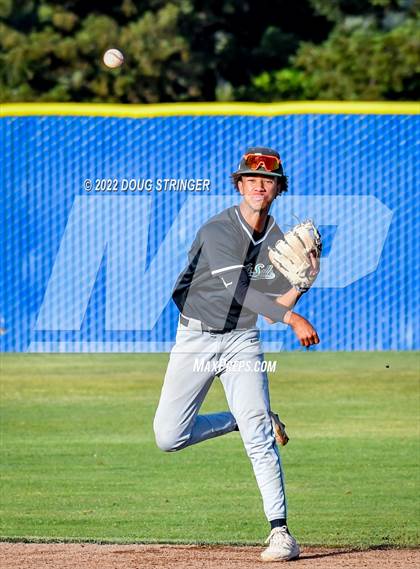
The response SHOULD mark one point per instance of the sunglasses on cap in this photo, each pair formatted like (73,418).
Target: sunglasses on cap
(256,161)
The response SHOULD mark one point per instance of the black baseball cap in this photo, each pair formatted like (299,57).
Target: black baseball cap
(256,155)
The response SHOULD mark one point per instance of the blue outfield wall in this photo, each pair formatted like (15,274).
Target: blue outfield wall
(91,268)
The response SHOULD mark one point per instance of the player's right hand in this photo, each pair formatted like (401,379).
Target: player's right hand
(303,329)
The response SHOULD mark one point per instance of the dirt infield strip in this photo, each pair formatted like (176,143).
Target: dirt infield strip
(91,556)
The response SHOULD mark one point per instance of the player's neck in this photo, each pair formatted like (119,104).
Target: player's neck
(255,218)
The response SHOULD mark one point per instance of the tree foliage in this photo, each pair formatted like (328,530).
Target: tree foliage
(197,50)
(55,54)
(372,53)
(362,62)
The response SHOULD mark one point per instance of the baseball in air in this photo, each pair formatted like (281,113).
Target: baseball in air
(113,58)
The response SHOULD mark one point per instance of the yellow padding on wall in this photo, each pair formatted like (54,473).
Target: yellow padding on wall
(209,109)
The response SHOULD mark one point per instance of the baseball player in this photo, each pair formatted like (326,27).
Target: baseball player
(230,279)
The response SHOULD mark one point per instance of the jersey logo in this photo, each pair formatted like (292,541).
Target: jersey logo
(260,271)
(225,283)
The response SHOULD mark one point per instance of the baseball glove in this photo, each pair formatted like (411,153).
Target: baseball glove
(297,255)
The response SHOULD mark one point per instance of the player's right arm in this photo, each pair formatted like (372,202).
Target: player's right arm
(289,298)
(303,329)
(225,258)
(305,332)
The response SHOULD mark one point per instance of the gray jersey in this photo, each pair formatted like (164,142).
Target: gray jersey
(224,251)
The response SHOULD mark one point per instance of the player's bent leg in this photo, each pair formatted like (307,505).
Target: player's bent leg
(201,428)
(168,441)
(177,423)
(176,416)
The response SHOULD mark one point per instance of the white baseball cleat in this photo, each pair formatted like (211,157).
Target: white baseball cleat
(282,546)
(279,429)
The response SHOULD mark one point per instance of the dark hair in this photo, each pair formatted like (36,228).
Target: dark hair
(282,182)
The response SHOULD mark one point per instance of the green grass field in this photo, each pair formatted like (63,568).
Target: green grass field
(79,460)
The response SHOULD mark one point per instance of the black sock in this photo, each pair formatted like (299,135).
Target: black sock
(278,523)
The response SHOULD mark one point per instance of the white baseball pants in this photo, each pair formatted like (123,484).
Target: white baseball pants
(236,357)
